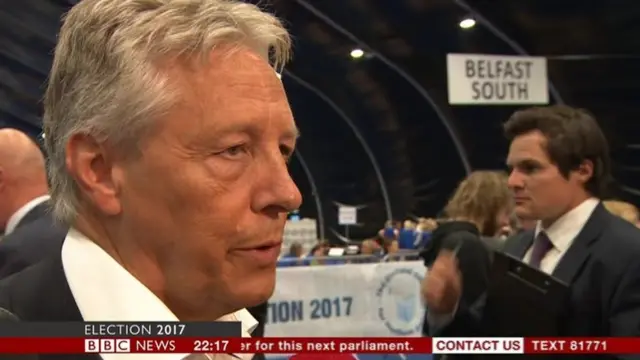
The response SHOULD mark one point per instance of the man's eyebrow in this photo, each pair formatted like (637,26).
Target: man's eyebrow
(512,163)
(293,134)
(520,162)
(242,127)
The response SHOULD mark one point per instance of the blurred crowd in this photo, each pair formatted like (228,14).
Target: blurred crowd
(482,199)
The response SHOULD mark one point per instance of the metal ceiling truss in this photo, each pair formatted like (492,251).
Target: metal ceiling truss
(361,139)
(457,141)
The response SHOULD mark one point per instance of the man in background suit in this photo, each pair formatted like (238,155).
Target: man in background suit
(23,181)
(31,234)
(560,163)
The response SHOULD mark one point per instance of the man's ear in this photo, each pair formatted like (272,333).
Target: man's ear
(92,166)
(584,172)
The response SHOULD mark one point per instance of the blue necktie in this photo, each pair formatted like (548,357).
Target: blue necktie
(541,246)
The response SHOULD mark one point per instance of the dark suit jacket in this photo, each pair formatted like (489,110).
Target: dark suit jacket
(39,211)
(602,266)
(41,293)
(36,237)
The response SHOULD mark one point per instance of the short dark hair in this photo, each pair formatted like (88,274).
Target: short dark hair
(573,136)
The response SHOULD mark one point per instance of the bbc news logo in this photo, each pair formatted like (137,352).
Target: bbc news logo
(107,346)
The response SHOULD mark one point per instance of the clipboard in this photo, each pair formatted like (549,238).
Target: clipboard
(522,300)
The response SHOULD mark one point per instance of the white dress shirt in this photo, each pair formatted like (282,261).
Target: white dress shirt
(561,234)
(17,216)
(105,291)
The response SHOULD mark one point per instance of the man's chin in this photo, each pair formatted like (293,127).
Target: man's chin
(257,291)
(256,299)
(522,212)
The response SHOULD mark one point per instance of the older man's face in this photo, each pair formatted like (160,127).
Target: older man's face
(209,198)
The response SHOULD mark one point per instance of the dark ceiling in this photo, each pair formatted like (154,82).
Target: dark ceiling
(378,131)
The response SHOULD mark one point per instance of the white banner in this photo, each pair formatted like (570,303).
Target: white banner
(496,80)
(368,300)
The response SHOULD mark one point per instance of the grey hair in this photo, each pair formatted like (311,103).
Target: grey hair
(105,81)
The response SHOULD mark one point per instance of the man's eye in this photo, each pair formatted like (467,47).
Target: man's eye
(287,152)
(234,150)
(528,168)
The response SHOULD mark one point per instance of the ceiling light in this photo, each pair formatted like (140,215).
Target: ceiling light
(357,53)
(43,135)
(467,23)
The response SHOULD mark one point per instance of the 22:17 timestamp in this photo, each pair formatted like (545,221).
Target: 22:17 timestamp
(210,346)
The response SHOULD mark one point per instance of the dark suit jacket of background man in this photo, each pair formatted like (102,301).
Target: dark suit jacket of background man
(36,237)
(41,293)
(602,266)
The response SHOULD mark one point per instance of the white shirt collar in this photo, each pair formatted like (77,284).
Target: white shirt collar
(17,216)
(105,291)
(564,230)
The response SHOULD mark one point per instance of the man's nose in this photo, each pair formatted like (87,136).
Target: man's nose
(278,190)
(291,196)
(515,180)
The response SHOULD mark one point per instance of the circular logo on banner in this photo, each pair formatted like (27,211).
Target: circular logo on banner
(400,307)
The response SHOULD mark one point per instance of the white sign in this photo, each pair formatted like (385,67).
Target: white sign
(347,215)
(303,232)
(496,80)
(364,300)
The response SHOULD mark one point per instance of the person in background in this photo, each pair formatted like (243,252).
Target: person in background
(295,251)
(425,228)
(561,167)
(390,231)
(431,224)
(407,236)
(370,247)
(482,200)
(169,134)
(385,245)
(391,248)
(624,210)
(387,238)
(23,181)
(320,248)
(293,257)
(317,254)
(31,233)
(479,208)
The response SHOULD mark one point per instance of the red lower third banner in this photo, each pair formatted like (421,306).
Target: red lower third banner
(189,345)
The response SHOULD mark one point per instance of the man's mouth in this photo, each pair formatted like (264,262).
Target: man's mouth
(264,253)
